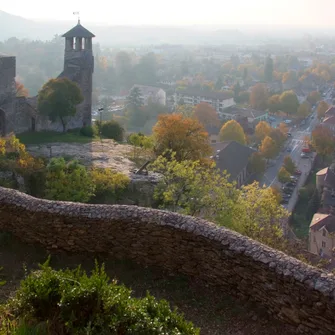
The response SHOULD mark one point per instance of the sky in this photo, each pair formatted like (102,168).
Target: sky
(179,12)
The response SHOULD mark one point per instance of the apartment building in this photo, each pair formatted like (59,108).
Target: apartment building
(218,100)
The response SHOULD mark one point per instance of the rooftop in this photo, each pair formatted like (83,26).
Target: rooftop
(330,111)
(247,112)
(78,31)
(232,157)
(320,220)
(147,90)
(210,95)
(329,120)
(322,172)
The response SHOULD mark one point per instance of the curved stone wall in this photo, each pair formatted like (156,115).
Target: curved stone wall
(291,290)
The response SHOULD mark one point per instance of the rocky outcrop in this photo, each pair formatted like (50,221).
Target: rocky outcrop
(292,291)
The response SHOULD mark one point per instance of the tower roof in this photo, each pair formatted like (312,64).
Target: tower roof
(79,31)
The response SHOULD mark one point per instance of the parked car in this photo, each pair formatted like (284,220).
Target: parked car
(285,201)
(291,184)
(304,155)
(294,178)
(297,172)
(288,191)
(289,149)
(289,135)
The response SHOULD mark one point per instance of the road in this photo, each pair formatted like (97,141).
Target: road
(295,143)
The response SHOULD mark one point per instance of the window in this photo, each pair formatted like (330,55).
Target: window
(323,232)
(323,244)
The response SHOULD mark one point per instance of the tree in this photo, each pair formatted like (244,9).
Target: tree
(289,77)
(206,114)
(257,163)
(184,136)
(259,97)
(277,135)
(262,130)
(191,188)
(68,181)
(277,193)
(274,103)
(283,175)
(237,91)
(245,74)
(186,110)
(268,69)
(322,108)
(232,131)
(283,128)
(243,97)
(314,97)
(135,98)
(268,148)
(21,90)
(256,214)
(58,99)
(323,141)
(304,110)
(289,164)
(289,102)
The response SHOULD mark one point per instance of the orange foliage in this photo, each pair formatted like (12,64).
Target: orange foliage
(184,136)
(206,114)
(21,91)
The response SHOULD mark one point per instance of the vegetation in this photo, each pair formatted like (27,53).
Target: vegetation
(58,99)
(262,130)
(257,164)
(111,129)
(206,114)
(268,148)
(322,108)
(259,97)
(185,136)
(289,164)
(232,131)
(304,110)
(283,175)
(72,302)
(323,141)
(289,102)
(68,181)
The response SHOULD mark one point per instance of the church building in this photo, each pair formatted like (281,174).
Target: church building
(19,114)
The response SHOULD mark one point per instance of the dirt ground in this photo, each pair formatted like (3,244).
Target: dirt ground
(207,307)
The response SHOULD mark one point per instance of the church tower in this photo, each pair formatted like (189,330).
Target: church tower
(78,67)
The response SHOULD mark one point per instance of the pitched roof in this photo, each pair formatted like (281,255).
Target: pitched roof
(330,111)
(232,157)
(330,177)
(320,220)
(329,120)
(147,90)
(78,31)
(247,112)
(210,95)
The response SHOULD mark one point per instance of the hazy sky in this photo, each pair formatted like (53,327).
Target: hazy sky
(176,12)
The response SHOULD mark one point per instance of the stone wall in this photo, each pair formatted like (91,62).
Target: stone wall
(291,290)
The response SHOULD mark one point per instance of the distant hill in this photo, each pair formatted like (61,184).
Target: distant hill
(19,27)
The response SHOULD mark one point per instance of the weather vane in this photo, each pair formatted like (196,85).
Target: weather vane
(78,16)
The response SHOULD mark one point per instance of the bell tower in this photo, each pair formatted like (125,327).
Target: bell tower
(78,67)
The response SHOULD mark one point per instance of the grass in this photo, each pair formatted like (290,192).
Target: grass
(53,136)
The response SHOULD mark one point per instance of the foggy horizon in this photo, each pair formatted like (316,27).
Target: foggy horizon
(284,14)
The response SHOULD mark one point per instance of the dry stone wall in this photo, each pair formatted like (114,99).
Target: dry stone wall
(291,290)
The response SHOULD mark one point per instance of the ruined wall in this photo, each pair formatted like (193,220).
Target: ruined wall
(291,290)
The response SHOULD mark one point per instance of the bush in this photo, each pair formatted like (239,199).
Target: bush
(89,131)
(112,129)
(109,185)
(71,302)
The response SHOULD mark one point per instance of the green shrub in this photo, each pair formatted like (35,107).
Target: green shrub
(88,131)
(71,302)
(112,129)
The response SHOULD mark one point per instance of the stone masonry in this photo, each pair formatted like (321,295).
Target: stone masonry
(292,291)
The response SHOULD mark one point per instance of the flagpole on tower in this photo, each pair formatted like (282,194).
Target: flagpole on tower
(78,16)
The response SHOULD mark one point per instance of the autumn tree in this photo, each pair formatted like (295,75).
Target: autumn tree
(206,114)
(21,90)
(274,103)
(257,163)
(289,164)
(257,215)
(314,97)
(58,99)
(232,131)
(277,193)
(283,175)
(323,141)
(322,108)
(186,110)
(289,102)
(268,148)
(268,69)
(191,188)
(184,136)
(277,136)
(259,97)
(283,128)
(289,77)
(262,130)
(304,110)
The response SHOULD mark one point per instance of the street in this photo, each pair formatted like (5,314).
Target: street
(295,143)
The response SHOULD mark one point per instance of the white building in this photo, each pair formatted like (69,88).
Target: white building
(218,100)
(153,94)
